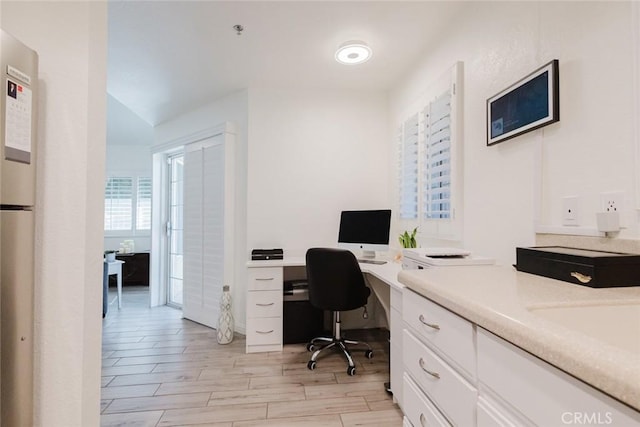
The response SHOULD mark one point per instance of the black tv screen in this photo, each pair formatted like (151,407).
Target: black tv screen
(526,105)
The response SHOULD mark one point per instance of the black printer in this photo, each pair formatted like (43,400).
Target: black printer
(266,254)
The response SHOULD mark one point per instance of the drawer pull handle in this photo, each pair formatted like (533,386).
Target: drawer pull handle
(423,419)
(265,332)
(433,374)
(264,278)
(582,278)
(264,305)
(431,325)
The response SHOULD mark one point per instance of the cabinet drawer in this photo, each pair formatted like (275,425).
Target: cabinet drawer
(267,278)
(449,333)
(264,331)
(442,384)
(541,392)
(264,304)
(418,409)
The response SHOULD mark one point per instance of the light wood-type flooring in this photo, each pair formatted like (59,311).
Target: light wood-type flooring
(161,370)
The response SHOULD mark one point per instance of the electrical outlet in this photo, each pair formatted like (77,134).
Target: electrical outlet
(570,210)
(612,202)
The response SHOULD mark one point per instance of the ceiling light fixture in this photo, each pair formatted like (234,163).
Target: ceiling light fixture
(353,52)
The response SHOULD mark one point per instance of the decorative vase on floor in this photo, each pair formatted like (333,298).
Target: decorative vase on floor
(225,322)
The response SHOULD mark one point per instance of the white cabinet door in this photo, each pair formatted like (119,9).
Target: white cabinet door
(208,203)
(542,393)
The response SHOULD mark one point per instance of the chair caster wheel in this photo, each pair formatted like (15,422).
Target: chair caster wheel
(368,354)
(351,371)
(311,365)
(310,347)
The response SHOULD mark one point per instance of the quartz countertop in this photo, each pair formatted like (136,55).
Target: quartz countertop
(500,300)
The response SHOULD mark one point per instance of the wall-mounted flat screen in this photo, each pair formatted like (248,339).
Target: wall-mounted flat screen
(528,104)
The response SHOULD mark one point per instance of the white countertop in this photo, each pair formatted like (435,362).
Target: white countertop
(499,299)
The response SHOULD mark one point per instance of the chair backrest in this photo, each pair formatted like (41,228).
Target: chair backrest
(335,280)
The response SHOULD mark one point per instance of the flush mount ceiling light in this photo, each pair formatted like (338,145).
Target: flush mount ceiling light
(353,52)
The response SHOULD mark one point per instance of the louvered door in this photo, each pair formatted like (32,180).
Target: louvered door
(205,192)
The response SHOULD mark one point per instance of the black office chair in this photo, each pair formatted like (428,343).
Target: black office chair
(336,284)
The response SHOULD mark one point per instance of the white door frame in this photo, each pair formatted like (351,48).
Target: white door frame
(158,262)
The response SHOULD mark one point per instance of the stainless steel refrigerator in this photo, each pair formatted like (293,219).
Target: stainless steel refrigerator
(19,70)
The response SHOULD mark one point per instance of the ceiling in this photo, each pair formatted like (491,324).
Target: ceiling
(170,57)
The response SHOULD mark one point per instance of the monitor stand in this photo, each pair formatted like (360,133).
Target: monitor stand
(368,254)
(369,257)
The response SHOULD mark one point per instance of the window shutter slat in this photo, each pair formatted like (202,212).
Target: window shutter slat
(143,208)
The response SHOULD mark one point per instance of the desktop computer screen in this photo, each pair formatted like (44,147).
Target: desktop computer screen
(367,230)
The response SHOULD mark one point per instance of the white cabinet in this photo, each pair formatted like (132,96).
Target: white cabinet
(463,374)
(264,309)
(439,357)
(542,393)
(396,368)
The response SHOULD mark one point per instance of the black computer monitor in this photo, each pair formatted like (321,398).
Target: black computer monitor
(365,230)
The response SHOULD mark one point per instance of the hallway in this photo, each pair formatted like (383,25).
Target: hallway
(161,370)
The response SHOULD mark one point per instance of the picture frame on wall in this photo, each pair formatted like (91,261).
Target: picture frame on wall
(530,103)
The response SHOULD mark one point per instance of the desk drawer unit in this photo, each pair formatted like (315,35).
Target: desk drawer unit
(264,309)
(443,330)
(264,304)
(440,382)
(267,278)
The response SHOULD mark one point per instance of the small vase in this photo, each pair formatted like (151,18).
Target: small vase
(225,321)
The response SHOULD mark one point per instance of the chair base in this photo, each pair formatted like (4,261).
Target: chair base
(339,344)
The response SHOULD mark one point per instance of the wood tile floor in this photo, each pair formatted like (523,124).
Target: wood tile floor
(161,370)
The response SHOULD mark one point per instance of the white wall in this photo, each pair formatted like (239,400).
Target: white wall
(591,149)
(70,39)
(312,154)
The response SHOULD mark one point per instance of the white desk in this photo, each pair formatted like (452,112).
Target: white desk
(115,267)
(264,306)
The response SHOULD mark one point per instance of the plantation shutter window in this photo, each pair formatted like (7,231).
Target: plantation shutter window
(437,152)
(118,203)
(429,140)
